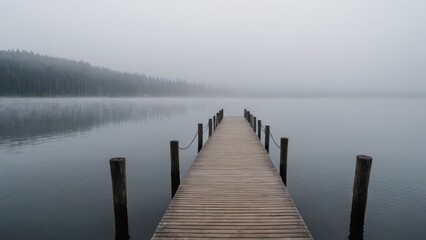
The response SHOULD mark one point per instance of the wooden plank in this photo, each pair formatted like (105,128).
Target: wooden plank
(232,191)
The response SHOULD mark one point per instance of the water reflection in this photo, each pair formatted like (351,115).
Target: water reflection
(28,121)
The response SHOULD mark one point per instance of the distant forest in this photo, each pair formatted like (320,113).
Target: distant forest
(27,74)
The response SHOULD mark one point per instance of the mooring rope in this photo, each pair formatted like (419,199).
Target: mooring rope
(189,143)
(206,127)
(270,133)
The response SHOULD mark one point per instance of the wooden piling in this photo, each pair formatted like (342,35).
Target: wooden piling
(118,177)
(210,127)
(359,197)
(174,163)
(248,116)
(259,129)
(254,124)
(267,137)
(283,159)
(251,120)
(200,136)
(245,113)
(214,123)
(217,119)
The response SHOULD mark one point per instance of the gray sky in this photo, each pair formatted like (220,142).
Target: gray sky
(302,45)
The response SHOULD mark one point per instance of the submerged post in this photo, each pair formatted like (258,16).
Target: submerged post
(283,159)
(267,138)
(259,129)
(118,177)
(359,198)
(200,136)
(174,163)
(254,124)
(210,127)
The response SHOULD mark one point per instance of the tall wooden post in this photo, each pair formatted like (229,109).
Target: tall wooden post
(359,198)
(118,177)
(217,118)
(254,124)
(222,112)
(174,162)
(283,159)
(200,136)
(210,127)
(214,123)
(259,129)
(267,137)
(248,116)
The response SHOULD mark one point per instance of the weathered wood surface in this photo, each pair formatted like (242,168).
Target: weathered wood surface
(232,191)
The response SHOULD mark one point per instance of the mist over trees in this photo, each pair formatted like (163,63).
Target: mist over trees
(27,74)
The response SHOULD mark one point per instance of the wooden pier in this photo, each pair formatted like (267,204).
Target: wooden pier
(232,191)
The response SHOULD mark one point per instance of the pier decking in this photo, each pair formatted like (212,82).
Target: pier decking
(232,190)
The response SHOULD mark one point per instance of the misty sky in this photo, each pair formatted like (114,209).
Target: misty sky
(298,45)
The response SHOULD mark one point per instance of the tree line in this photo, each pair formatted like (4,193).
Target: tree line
(24,73)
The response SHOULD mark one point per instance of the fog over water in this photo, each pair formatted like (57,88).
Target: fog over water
(55,180)
(319,46)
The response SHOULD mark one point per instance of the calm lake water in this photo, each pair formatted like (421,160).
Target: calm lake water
(54,161)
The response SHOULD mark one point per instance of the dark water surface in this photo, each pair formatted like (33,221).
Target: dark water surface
(55,180)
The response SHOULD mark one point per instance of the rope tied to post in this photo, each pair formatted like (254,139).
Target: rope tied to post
(192,141)
(206,127)
(272,137)
(270,133)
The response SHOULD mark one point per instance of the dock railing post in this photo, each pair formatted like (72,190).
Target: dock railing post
(254,124)
(359,197)
(259,129)
(200,136)
(214,123)
(174,163)
(210,127)
(283,159)
(267,138)
(118,177)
